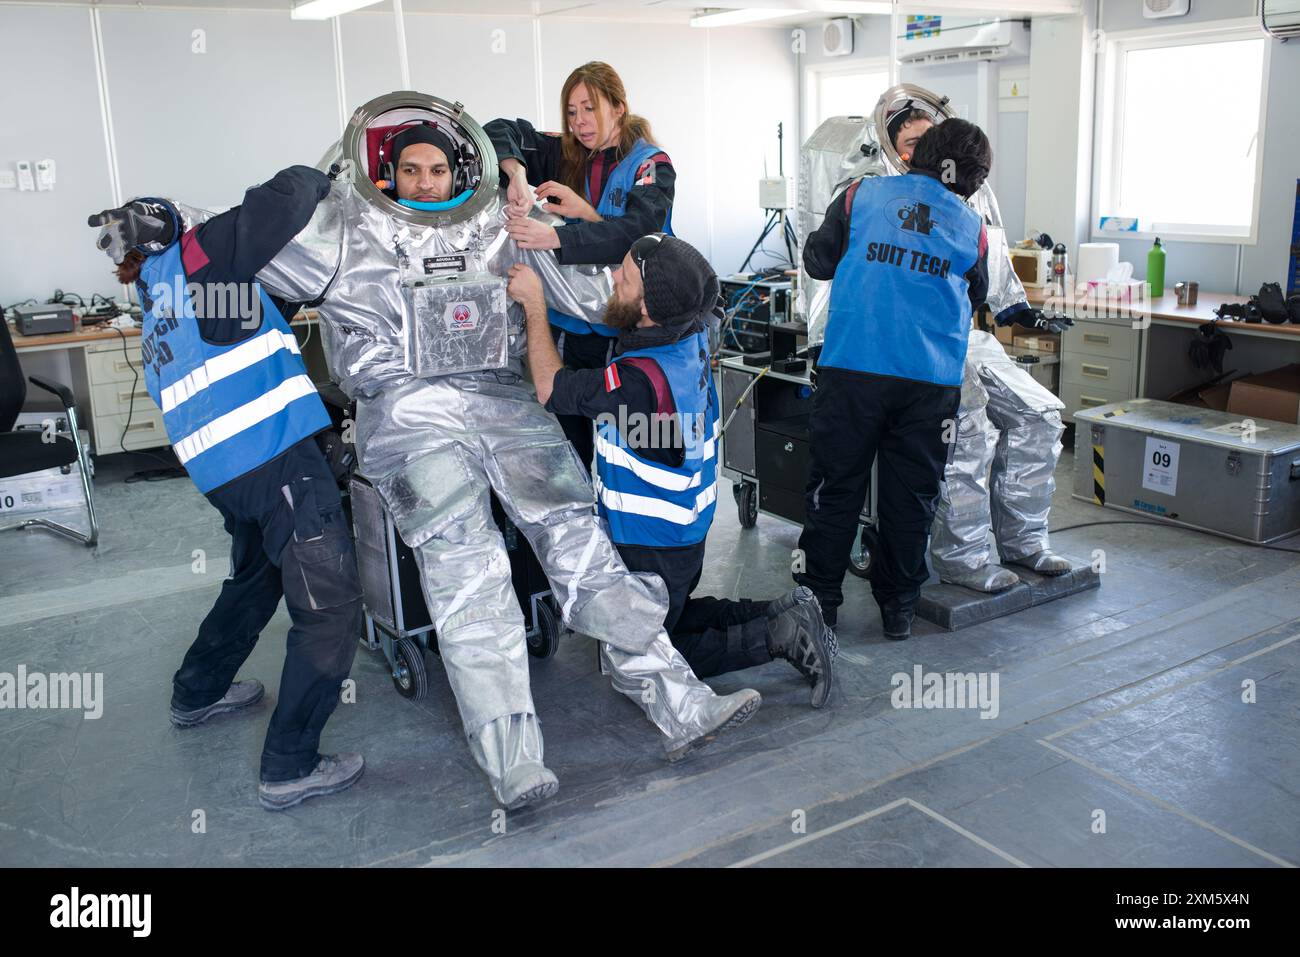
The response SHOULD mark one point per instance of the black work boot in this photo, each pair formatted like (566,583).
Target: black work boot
(897,622)
(797,633)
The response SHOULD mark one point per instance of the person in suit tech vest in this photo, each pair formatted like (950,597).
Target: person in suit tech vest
(242,415)
(908,259)
(656,414)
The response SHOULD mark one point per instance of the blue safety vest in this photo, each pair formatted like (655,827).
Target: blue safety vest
(227,408)
(649,503)
(899,301)
(613,203)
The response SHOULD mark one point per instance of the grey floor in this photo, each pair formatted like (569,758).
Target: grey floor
(1123,736)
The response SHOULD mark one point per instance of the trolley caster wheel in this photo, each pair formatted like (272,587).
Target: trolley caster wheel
(409,675)
(747,504)
(865,546)
(545,639)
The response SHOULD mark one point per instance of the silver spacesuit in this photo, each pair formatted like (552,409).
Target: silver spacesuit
(418,329)
(1001,475)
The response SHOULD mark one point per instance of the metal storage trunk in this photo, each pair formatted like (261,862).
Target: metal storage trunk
(1201,468)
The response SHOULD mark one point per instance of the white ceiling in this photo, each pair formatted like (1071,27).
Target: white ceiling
(659,11)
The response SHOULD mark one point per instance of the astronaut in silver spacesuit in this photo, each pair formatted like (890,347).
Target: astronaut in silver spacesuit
(1001,474)
(406,259)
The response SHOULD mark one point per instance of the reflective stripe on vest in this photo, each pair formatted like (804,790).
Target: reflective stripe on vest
(649,503)
(227,408)
(899,302)
(612,205)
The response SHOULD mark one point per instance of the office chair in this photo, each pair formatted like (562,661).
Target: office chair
(24,452)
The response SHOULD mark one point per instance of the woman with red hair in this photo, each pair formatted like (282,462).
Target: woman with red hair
(608,179)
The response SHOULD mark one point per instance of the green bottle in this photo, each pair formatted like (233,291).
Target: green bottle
(1156,270)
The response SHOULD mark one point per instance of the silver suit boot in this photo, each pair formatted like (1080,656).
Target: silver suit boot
(986,578)
(1045,562)
(682,706)
(509,750)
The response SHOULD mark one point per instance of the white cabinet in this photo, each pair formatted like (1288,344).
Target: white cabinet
(1100,361)
(123,414)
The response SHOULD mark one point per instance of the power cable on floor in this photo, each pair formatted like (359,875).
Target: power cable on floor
(1138,521)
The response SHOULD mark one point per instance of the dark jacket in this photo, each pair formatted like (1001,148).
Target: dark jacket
(232,247)
(607,242)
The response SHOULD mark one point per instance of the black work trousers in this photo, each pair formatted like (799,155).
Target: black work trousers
(289,538)
(906,427)
(714,635)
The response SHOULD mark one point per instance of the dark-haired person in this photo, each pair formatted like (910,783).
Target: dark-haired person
(905,127)
(242,415)
(1000,478)
(656,413)
(609,180)
(908,260)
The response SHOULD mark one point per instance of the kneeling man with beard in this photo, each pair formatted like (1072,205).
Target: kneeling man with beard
(656,414)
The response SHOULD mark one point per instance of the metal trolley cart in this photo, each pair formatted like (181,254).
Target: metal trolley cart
(765,448)
(397,619)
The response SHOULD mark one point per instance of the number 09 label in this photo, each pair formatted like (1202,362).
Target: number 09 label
(1160,467)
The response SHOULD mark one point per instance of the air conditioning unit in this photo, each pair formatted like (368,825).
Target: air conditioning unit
(940,39)
(837,37)
(1281,18)
(1158,9)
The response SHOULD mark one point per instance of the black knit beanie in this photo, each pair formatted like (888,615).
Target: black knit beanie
(424,133)
(679,283)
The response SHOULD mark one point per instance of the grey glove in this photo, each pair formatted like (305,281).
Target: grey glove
(135,224)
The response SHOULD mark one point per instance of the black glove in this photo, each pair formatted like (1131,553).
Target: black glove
(1208,346)
(1049,323)
(134,224)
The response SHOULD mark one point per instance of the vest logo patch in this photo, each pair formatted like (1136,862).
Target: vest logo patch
(460,316)
(912,216)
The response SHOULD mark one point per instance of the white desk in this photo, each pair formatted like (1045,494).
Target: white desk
(1110,359)
(104,368)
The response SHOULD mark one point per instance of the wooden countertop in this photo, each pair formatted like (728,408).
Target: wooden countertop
(1166,310)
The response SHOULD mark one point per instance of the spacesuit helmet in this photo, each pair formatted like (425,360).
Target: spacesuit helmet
(900,106)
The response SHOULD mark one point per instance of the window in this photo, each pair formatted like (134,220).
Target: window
(844,90)
(1180,123)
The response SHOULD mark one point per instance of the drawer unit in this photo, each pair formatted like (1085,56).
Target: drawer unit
(145,432)
(1079,397)
(117,392)
(119,398)
(1101,339)
(1098,372)
(105,363)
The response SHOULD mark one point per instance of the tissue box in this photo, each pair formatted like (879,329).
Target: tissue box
(1115,290)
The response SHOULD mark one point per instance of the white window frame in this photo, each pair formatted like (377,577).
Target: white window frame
(815,71)
(1106,149)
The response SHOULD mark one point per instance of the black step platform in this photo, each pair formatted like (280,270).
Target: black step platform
(954,606)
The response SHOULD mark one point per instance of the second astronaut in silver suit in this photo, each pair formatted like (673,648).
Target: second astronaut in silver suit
(418,329)
(1001,474)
